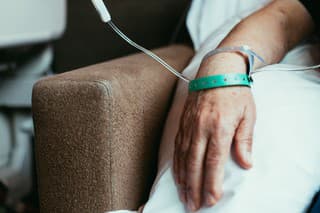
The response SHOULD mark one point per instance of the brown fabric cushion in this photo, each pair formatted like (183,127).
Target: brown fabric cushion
(98,129)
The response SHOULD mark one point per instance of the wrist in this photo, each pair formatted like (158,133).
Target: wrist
(224,63)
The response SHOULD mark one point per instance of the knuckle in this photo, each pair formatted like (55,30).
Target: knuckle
(223,120)
(245,133)
(198,140)
(192,165)
(223,128)
(194,148)
(244,141)
(192,160)
(218,120)
(223,131)
(217,117)
(213,159)
(217,146)
(183,148)
(194,194)
(201,117)
(215,192)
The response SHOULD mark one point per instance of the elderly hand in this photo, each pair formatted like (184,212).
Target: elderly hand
(213,120)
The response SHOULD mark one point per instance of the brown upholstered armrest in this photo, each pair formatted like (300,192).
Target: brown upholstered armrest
(97,132)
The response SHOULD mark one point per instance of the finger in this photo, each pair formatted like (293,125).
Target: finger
(182,154)
(242,150)
(194,165)
(177,149)
(217,153)
(177,166)
(175,158)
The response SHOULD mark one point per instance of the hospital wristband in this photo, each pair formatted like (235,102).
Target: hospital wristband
(216,81)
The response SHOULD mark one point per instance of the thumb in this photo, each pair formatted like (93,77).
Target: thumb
(243,142)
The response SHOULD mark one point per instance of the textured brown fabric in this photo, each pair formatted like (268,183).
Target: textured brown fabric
(98,129)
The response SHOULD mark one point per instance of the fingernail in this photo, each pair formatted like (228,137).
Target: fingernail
(191,205)
(210,200)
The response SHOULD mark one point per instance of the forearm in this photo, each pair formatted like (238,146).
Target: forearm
(271,32)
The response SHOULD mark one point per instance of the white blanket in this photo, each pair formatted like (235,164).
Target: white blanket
(286,150)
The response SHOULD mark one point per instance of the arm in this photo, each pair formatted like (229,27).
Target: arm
(215,119)
(271,32)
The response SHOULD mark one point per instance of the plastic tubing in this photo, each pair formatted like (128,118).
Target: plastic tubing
(297,69)
(252,55)
(106,17)
(148,52)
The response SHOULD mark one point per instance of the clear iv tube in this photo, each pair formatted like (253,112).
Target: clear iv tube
(298,69)
(251,55)
(148,52)
(106,17)
(243,49)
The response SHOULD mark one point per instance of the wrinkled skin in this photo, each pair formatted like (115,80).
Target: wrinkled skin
(213,122)
(216,122)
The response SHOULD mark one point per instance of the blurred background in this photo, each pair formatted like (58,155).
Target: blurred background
(44,37)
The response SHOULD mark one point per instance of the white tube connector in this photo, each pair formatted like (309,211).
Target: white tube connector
(102,10)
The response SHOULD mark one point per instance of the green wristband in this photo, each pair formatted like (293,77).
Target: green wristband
(216,81)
